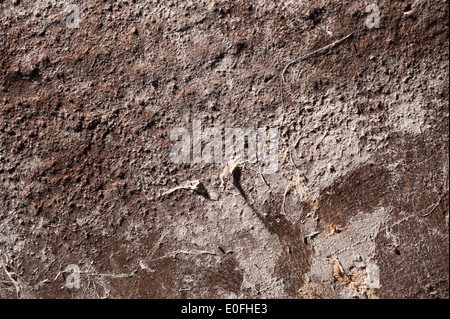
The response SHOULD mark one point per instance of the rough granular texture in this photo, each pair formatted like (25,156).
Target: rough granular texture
(358,207)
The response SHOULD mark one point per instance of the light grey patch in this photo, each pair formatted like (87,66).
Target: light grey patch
(373,276)
(373,20)
(73,19)
(215,146)
(73,280)
(357,239)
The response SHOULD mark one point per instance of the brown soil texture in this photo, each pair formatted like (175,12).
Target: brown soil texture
(357,209)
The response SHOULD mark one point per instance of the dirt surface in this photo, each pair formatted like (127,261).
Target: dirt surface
(357,209)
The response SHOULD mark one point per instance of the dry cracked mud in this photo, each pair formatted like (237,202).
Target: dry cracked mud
(358,207)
